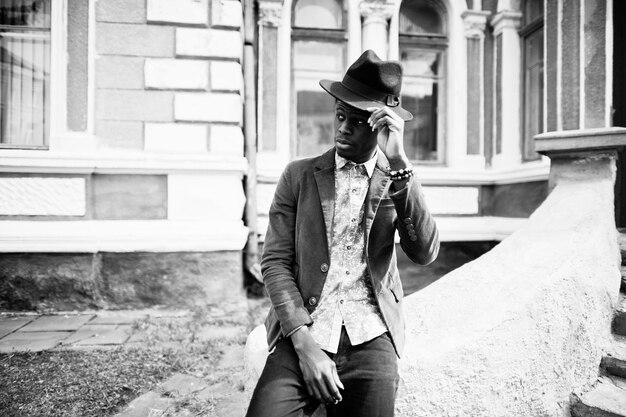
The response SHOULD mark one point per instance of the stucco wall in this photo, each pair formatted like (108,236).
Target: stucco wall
(516,331)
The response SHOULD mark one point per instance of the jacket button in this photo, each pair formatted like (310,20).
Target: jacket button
(324,267)
(408,220)
(312,301)
(413,238)
(410,227)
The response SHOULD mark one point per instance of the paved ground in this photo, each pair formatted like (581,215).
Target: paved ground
(109,329)
(30,332)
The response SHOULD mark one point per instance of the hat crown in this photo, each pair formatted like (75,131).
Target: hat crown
(383,76)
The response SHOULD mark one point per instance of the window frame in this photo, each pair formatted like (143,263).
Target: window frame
(525,32)
(339,36)
(48,126)
(439,43)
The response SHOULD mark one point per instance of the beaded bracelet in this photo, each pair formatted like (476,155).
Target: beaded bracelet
(402,174)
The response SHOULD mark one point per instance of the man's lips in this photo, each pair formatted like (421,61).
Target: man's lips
(343,141)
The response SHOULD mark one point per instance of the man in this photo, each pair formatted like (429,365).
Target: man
(329,262)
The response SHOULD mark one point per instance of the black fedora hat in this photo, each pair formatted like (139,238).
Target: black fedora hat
(370,82)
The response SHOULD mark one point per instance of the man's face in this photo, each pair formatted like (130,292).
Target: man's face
(354,139)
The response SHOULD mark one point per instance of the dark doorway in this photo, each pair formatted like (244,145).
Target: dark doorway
(619,103)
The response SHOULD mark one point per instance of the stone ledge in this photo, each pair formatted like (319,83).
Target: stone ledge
(577,141)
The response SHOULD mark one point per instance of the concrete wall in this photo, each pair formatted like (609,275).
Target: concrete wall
(518,330)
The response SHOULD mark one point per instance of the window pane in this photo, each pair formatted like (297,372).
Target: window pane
(533,10)
(320,14)
(24,72)
(419,17)
(420,92)
(533,91)
(313,61)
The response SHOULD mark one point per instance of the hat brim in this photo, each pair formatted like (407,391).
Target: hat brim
(341,92)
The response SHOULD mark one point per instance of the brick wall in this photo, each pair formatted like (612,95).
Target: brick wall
(169,76)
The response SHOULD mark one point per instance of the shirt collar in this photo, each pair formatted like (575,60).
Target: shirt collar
(340,162)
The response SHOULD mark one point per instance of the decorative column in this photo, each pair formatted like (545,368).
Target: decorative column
(474,27)
(270,14)
(507,150)
(376,17)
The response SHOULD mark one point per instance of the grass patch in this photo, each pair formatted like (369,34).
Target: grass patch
(101,382)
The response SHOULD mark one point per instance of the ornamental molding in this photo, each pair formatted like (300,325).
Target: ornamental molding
(270,13)
(376,10)
(506,20)
(474,24)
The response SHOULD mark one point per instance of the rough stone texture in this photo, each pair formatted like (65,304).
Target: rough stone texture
(134,40)
(183,74)
(40,196)
(226,13)
(125,197)
(129,105)
(121,72)
(57,323)
(118,280)
(619,320)
(605,400)
(519,329)
(176,137)
(113,134)
(179,11)
(226,76)
(173,279)
(40,281)
(121,11)
(614,362)
(208,107)
(212,43)
(183,384)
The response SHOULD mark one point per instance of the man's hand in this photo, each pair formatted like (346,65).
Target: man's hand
(319,371)
(390,128)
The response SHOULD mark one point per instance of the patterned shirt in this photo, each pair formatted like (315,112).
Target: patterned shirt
(347,297)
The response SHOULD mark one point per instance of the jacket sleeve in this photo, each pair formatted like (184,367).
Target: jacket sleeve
(279,256)
(419,237)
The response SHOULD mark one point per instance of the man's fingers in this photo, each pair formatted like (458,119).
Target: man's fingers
(336,379)
(333,388)
(327,397)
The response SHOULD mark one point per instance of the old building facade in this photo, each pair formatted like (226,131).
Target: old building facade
(121,141)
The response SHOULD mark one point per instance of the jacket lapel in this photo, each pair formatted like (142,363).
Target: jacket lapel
(325,179)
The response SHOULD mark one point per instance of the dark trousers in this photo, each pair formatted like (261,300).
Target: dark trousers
(369,373)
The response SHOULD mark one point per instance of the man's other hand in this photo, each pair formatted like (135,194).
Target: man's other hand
(318,370)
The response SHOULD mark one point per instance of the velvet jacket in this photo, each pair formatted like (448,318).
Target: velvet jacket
(296,255)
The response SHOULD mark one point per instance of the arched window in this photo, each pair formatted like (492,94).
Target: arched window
(318,52)
(423,44)
(531,35)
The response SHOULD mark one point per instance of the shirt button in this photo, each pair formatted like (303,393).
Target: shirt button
(347,272)
(408,220)
(340,301)
(324,267)
(312,301)
(353,220)
(354,190)
(348,247)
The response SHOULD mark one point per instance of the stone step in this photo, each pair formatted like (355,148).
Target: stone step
(614,362)
(619,320)
(606,399)
(623,286)
(621,240)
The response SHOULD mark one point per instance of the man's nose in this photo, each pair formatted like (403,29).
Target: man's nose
(344,127)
